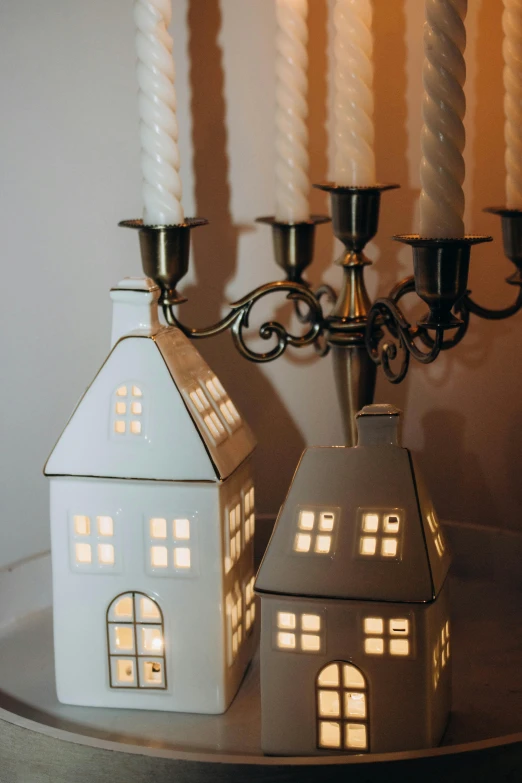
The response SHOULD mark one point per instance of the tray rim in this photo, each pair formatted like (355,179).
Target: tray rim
(490,536)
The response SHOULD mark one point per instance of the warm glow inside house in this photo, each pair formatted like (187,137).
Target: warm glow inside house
(355,634)
(152,524)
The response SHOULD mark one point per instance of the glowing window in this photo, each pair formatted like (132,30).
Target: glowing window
(342,710)
(200,401)
(248,514)
(233,539)
(159,556)
(174,556)
(127,411)
(234,612)
(250,604)
(105,526)
(391,636)
(301,632)
(435,528)
(441,653)
(144,667)
(106,554)
(182,529)
(315,531)
(386,532)
(82,525)
(83,553)
(158,527)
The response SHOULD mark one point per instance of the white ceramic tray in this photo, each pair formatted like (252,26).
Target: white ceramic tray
(42,740)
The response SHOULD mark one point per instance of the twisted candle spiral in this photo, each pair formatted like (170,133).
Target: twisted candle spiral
(354,162)
(157,109)
(443,137)
(292,183)
(512,49)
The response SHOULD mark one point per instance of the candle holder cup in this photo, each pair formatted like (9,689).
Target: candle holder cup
(360,334)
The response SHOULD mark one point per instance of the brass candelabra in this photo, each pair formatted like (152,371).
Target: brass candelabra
(361,335)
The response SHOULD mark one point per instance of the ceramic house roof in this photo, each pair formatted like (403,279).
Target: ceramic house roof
(155,410)
(357,523)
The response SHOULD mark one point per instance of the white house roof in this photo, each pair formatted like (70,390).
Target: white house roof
(155,410)
(357,523)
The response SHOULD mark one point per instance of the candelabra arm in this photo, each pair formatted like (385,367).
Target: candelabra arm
(237,320)
(492,315)
(324,291)
(383,353)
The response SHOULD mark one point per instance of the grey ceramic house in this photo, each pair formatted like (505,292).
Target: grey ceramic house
(355,635)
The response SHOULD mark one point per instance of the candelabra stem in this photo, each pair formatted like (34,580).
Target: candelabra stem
(355,216)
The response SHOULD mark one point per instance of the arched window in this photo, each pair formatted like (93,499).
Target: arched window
(342,708)
(127,412)
(136,642)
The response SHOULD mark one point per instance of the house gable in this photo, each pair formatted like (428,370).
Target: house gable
(346,484)
(168,446)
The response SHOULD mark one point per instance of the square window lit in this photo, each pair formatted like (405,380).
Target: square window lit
(391,523)
(119,427)
(355,705)
(329,734)
(323,544)
(246,503)
(311,622)
(368,545)
(310,642)
(373,625)
(352,677)
(370,523)
(432,522)
(83,553)
(218,385)
(399,627)
(211,427)
(233,410)
(106,554)
(121,408)
(105,526)
(217,422)
(329,676)
(151,640)
(286,641)
(182,529)
(135,427)
(136,391)
(182,557)
(438,546)
(355,736)
(125,671)
(159,556)
(399,647)
(124,638)
(136,409)
(373,646)
(82,526)
(234,643)
(306,520)
(122,391)
(326,521)
(149,610)
(389,547)
(329,704)
(158,527)
(302,542)
(233,549)
(285,620)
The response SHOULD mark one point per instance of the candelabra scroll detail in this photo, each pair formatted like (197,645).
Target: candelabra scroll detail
(238,319)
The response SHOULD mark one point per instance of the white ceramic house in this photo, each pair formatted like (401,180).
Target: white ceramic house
(152,523)
(355,632)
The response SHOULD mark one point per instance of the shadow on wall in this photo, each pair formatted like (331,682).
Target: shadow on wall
(460,491)
(215,254)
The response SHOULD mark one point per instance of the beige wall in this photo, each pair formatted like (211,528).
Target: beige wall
(69,171)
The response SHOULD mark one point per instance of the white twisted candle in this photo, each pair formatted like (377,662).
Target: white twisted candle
(157,108)
(443,137)
(512,49)
(292,183)
(354,162)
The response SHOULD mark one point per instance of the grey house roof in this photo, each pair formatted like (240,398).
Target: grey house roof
(349,483)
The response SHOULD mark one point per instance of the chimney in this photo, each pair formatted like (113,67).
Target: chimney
(135,307)
(379,425)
